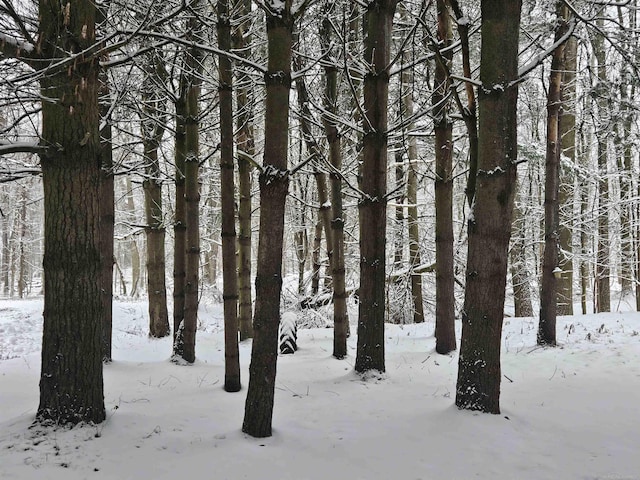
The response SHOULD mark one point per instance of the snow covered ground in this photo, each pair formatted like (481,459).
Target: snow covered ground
(572,412)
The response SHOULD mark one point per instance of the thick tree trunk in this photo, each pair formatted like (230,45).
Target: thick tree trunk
(489,228)
(71,386)
(245,151)
(550,267)
(373,206)
(274,183)
(227,199)
(443,126)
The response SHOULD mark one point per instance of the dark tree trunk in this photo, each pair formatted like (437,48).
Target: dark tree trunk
(274,183)
(340,315)
(107,216)
(71,386)
(180,220)
(443,126)
(489,228)
(245,151)
(373,183)
(227,200)
(548,291)
(152,132)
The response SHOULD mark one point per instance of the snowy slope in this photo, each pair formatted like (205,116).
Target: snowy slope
(568,413)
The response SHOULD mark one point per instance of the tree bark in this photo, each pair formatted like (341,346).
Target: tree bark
(602,270)
(179,214)
(71,386)
(489,227)
(107,216)
(153,128)
(443,126)
(548,291)
(245,151)
(340,314)
(227,199)
(372,207)
(565,193)
(274,183)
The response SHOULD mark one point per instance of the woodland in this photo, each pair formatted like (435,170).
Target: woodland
(417,161)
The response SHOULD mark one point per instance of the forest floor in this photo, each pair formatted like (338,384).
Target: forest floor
(571,412)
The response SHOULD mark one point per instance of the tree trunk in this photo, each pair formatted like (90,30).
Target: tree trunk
(135,252)
(489,228)
(373,206)
(192,191)
(550,267)
(603,288)
(274,183)
(565,193)
(152,131)
(227,198)
(179,214)
(107,216)
(22,260)
(443,126)
(245,150)
(519,269)
(340,314)
(71,386)
(316,264)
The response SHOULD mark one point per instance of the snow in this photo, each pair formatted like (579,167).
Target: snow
(569,412)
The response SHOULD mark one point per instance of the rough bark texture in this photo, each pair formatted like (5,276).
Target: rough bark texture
(152,132)
(71,387)
(246,150)
(565,194)
(227,200)
(340,315)
(107,217)
(443,126)
(489,228)
(372,208)
(548,290)
(274,183)
(179,214)
(602,270)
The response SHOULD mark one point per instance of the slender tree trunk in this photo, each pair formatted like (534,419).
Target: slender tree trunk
(603,288)
(316,264)
(152,131)
(565,193)
(340,314)
(478,386)
(245,151)
(180,221)
(22,260)
(443,126)
(548,291)
(6,253)
(227,198)
(519,270)
(107,216)
(192,190)
(274,183)
(373,206)
(71,386)
(135,252)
